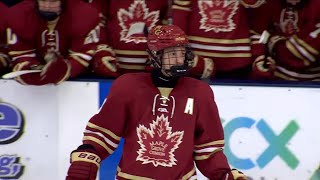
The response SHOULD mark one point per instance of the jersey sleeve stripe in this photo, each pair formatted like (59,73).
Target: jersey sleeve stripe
(296,53)
(302,50)
(93,126)
(206,150)
(206,156)
(99,142)
(213,143)
(114,145)
(306,45)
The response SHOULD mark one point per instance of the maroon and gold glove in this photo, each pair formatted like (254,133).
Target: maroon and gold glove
(56,70)
(84,164)
(235,174)
(104,62)
(273,42)
(238,175)
(202,67)
(28,79)
(263,69)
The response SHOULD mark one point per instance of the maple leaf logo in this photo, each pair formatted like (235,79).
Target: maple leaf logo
(157,144)
(134,20)
(217,15)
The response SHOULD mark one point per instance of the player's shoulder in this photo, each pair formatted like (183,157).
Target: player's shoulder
(82,16)
(131,80)
(196,87)
(194,83)
(19,9)
(132,77)
(21,16)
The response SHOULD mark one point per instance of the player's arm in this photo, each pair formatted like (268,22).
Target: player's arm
(4,58)
(89,47)
(102,134)
(261,20)
(300,50)
(209,140)
(22,53)
(181,9)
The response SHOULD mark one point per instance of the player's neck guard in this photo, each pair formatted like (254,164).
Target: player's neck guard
(160,80)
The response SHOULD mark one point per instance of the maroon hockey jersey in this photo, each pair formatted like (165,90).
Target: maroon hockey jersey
(296,33)
(126,21)
(217,29)
(3,51)
(74,34)
(165,130)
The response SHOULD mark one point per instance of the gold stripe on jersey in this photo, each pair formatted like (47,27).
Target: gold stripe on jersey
(80,60)
(182,2)
(213,143)
(228,55)
(283,76)
(302,50)
(104,47)
(130,52)
(13,53)
(189,174)
(294,51)
(98,141)
(93,126)
(298,75)
(181,8)
(306,45)
(255,42)
(129,176)
(254,32)
(135,67)
(203,157)
(91,52)
(220,41)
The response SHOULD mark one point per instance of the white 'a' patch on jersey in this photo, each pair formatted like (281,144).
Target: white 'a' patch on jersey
(189,106)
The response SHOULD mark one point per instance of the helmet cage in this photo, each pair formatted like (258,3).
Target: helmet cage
(175,70)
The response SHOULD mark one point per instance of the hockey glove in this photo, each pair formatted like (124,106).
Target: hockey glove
(104,62)
(56,70)
(263,69)
(273,42)
(238,175)
(234,174)
(202,67)
(84,164)
(28,79)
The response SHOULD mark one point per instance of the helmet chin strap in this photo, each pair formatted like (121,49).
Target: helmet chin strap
(178,71)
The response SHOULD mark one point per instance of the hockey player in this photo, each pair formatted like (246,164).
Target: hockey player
(294,43)
(168,121)
(218,31)
(58,37)
(4,59)
(126,21)
(104,64)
